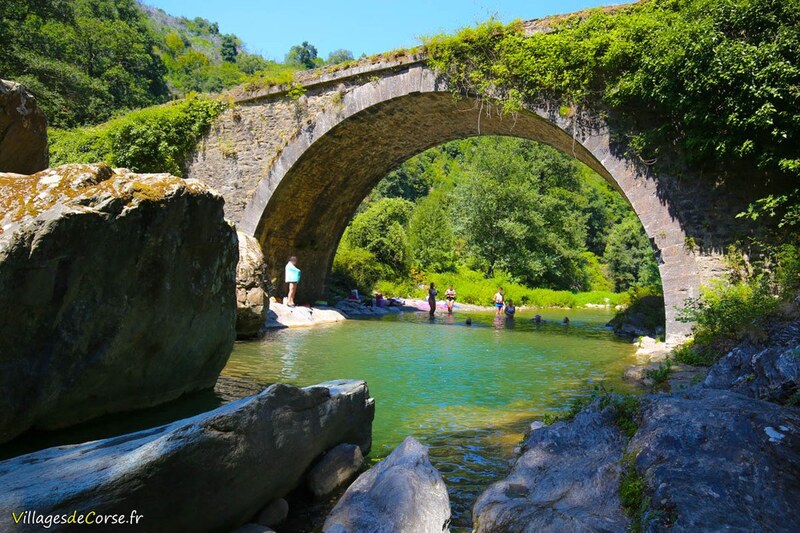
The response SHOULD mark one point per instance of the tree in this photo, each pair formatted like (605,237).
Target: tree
(380,230)
(430,233)
(302,55)
(82,59)
(520,212)
(251,63)
(339,56)
(630,257)
(229,49)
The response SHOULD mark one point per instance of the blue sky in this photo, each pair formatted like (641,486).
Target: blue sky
(271,27)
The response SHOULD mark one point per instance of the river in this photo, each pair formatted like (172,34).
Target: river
(468,392)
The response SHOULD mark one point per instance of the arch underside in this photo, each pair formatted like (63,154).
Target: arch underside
(312,194)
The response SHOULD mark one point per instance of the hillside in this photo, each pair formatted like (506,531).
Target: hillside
(199,58)
(89,60)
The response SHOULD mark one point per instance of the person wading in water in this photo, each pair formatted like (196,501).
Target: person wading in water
(498,301)
(450,296)
(432,292)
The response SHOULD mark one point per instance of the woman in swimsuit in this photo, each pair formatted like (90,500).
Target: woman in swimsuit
(450,296)
(432,292)
(498,301)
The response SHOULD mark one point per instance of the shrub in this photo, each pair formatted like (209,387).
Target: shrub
(155,139)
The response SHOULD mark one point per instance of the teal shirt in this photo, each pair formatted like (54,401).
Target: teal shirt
(292,273)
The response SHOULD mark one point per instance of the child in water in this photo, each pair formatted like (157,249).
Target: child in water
(510,309)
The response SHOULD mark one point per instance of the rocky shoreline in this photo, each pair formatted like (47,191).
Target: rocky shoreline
(723,454)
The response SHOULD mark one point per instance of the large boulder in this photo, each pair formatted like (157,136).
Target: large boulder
(117,291)
(769,371)
(212,472)
(23,131)
(336,468)
(715,460)
(252,299)
(403,493)
(566,480)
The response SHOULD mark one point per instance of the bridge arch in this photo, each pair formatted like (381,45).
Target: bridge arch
(305,196)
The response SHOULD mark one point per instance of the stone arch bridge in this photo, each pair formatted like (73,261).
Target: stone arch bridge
(294,170)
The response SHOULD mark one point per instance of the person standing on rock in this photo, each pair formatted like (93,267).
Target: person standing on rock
(432,292)
(292,276)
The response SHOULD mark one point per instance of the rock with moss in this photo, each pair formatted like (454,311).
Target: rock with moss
(211,472)
(252,298)
(23,131)
(567,479)
(118,292)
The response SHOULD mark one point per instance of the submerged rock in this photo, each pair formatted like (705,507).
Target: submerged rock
(716,460)
(23,131)
(212,472)
(567,479)
(118,292)
(252,300)
(337,467)
(403,493)
(768,372)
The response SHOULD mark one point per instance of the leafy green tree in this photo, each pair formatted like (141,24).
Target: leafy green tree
(339,56)
(630,257)
(84,59)
(380,230)
(430,233)
(303,55)
(250,63)
(229,48)
(520,213)
(174,44)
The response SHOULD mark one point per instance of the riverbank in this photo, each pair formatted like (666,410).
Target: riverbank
(441,305)
(662,461)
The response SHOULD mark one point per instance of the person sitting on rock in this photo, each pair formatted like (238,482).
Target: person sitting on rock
(292,275)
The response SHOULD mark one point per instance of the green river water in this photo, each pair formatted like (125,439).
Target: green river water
(469,393)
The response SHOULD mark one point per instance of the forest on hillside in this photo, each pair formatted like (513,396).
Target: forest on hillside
(91,60)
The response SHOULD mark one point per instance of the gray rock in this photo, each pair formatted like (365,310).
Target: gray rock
(253,528)
(566,480)
(403,493)
(275,512)
(23,131)
(719,461)
(337,467)
(252,299)
(212,472)
(117,293)
(770,372)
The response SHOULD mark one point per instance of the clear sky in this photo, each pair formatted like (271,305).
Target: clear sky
(271,27)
